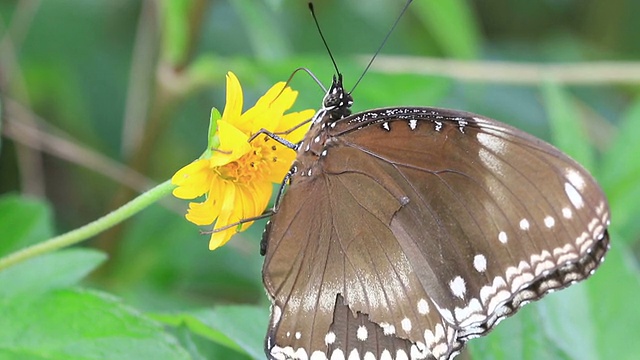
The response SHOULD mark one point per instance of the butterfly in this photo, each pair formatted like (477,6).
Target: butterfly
(406,231)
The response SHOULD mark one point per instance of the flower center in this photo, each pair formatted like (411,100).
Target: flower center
(253,166)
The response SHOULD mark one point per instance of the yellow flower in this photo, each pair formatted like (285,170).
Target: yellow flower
(236,175)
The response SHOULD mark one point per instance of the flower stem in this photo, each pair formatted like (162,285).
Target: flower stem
(91,229)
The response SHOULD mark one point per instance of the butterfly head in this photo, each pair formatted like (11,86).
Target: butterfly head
(337,101)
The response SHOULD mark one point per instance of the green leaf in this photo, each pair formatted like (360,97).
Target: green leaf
(614,291)
(213,140)
(23,222)
(239,327)
(620,174)
(176,30)
(267,40)
(51,271)
(453,25)
(81,324)
(567,129)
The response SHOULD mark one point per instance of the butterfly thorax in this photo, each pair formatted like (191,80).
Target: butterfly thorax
(336,105)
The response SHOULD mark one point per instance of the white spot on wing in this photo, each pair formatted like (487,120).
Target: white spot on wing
(574,195)
(401,355)
(353,355)
(575,178)
(458,287)
(566,212)
(330,338)
(385,125)
(549,222)
(362,333)
(387,328)
(524,224)
(318,355)
(369,356)
(406,324)
(480,263)
(413,123)
(337,354)
(386,355)
(423,306)
(503,237)
(298,335)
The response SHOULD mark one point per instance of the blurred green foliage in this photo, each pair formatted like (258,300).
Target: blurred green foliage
(131,84)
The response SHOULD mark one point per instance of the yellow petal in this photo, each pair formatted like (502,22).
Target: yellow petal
(289,121)
(279,168)
(270,107)
(233,144)
(206,212)
(233,106)
(202,213)
(192,180)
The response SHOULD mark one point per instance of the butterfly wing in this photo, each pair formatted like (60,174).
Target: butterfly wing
(427,226)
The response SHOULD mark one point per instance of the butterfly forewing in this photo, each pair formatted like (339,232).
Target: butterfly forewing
(407,231)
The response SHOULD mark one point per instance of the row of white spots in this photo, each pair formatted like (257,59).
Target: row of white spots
(494,296)
(338,354)
(413,124)
(525,225)
(436,344)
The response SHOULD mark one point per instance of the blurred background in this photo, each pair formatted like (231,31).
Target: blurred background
(103,99)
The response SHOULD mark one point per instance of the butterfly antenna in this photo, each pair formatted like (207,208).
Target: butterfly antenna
(404,9)
(315,20)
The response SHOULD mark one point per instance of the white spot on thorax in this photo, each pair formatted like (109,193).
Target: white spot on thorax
(316,139)
(362,333)
(524,224)
(480,263)
(574,195)
(549,222)
(502,236)
(458,287)
(413,123)
(406,324)
(324,152)
(423,307)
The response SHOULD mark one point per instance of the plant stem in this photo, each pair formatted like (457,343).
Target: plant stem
(91,229)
